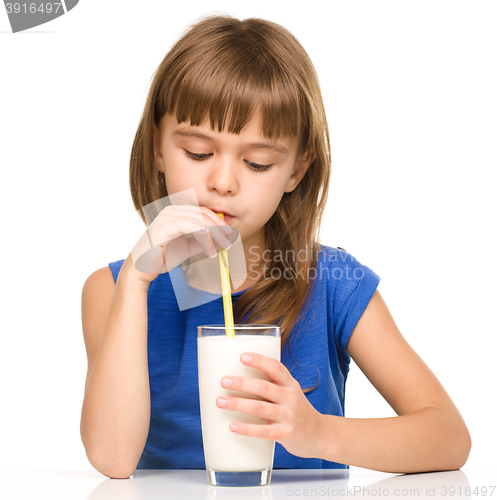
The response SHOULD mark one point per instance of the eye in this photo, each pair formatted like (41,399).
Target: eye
(257,167)
(203,156)
(197,157)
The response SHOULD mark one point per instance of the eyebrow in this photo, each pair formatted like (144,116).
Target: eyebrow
(254,145)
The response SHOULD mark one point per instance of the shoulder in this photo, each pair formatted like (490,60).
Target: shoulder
(100,283)
(98,289)
(333,256)
(340,268)
(343,271)
(350,286)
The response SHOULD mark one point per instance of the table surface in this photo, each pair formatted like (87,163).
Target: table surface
(478,484)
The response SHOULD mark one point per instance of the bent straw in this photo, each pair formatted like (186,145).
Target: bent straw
(225,283)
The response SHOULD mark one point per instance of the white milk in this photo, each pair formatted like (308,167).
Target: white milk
(219,356)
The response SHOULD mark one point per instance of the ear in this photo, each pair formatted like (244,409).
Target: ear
(299,172)
(159,165)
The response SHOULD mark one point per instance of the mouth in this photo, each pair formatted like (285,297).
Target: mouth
(227,216)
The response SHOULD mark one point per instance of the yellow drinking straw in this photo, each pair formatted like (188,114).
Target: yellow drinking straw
(225,283)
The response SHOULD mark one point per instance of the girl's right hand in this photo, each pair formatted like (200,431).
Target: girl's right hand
(164,245)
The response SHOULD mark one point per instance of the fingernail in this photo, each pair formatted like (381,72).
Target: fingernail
(227,242)
(233,427)
(226,382)
(221,402)
(245,358)
(227,229)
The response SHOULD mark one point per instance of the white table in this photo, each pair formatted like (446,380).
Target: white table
(358,483)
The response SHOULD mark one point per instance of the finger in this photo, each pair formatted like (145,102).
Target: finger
(165,229)
(217,227)
(276,371)
(205,240)
(255,407)
(218,236)
(178,224)
(212,244)
(270,432)
(203,214)
(181,248)
(174,219)
(195,248)
(259,387)
(217,218)
(171,232)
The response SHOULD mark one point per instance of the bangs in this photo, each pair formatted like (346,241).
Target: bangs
(230,84)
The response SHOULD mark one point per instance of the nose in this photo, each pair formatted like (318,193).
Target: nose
(223,176)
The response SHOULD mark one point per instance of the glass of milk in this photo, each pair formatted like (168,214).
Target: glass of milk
(231,459)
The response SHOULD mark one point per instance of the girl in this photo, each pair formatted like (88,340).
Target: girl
(235,112)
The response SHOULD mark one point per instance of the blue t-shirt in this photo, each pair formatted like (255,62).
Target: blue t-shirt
(341,291)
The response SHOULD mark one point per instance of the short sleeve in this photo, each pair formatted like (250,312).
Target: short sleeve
(352,286)
(115,267)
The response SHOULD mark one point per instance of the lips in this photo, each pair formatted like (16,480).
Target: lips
(220,211)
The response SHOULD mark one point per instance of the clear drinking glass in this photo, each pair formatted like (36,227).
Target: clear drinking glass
(232,459)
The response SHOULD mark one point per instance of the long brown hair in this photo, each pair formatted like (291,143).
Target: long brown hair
(228,68)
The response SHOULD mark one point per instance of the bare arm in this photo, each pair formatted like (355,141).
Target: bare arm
(428,435)
(115,417)
(116,408)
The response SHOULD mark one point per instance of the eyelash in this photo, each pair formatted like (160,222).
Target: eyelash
(254,166)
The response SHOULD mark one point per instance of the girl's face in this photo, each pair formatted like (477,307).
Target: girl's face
(243,175)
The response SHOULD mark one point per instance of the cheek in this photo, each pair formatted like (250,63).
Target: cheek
(263,211)
(271,190)
(177,174)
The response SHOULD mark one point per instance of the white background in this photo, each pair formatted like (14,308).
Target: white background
(409,90)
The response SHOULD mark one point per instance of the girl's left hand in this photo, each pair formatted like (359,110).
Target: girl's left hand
(292,420)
